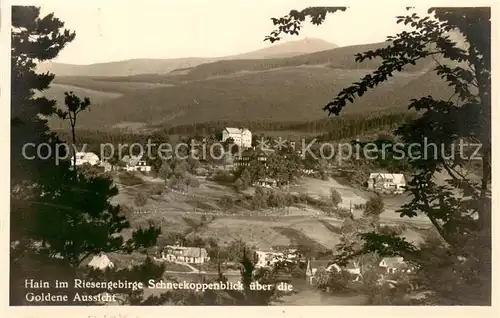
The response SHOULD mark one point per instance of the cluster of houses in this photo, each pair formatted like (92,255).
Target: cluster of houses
(387,266)
(386,183)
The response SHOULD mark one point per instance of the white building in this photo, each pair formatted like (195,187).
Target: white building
(100,262)
(387,182)
(85,157)
(135,163)
(241,137)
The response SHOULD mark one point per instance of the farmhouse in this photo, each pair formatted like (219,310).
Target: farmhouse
(314,265)
(387,182)
(248,155)
(267,258)
(266,183)
(86,158)
(135,163)
(270,258)
(392,265)
(184,254)
(100,262)
(241,137)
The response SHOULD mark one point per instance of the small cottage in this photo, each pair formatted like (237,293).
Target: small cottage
(393,265)
(240,136)
(135,163)
(387,182)
(85,158)
(314,265)
(184,254)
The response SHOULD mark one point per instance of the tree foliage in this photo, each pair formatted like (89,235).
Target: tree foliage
(461,210)
(374,207)
(58,219)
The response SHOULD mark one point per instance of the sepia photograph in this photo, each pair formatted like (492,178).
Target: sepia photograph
(237,153)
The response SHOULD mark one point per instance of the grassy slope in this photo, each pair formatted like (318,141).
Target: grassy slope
(279,95)
(338,58)
(163,66)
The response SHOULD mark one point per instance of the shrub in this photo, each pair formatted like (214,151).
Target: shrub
(226,202)
(344,213)
(140,199)
(158,189)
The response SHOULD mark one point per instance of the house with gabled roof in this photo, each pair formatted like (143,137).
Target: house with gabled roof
(135,163)
(387,182)
(240,136)
(392,265)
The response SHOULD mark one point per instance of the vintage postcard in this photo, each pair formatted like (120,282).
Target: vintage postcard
(237,153)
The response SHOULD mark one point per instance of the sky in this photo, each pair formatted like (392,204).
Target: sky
(120,30)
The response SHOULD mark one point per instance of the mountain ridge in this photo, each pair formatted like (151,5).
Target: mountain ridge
(138,66)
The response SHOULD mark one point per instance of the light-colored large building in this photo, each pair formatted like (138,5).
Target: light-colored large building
(101,262)
(241,137)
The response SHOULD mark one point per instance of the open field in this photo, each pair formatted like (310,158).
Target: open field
(174,212)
